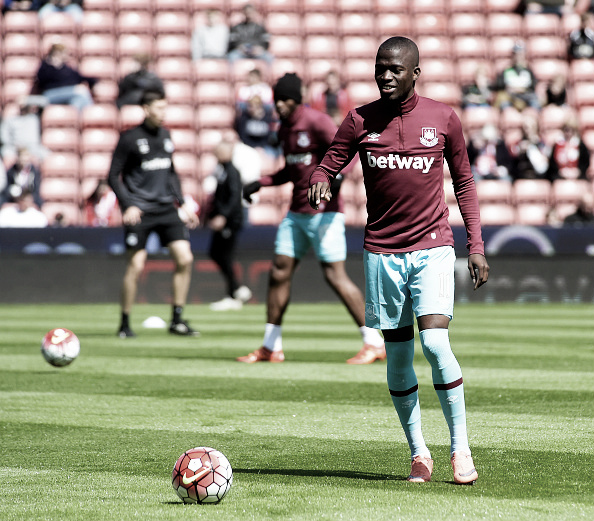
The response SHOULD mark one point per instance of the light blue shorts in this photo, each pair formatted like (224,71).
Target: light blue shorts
(400,286)
(297,232)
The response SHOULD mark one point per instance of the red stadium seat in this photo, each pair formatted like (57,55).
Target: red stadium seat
(207,139)
(65,164)
(550,47)
(96,44)
(438,70)
(466,6)
(319,23)
(60,189)
(20,22)
(283,23)
(174,69)
(582,94)
(64,116)
(102,67)
(134,5)
(357,24)
(20,67)
(434,47)
(358,70)
(99,22)
(61,139)
(58,23)
(214,92)
(392,24)
(134,22)
(172,22)
(430,24)
(497,214)
(282,6)
(504,24)
(186,164)
(541,24)
(359,47)
(264,214)
(211,69)
(310,6)
(501,49)
(501,6)
(286,46)
(362,92)
(68,210)
(179,116)
(552,117)
(98,140)
(510,118)
(569,190)
(130,44)
(475,118)
(316,70)
(95,165)
(494,191)
(319,46)
(531,191)
(99,5)
(354,6)
(471,47)
(428,6)
(546,69)
(463,24)
(455,217)
(531,214)
(581,70)
(20,44)
(170,5)
(172,45)
(282,65)
(448,93)
(391,6)
(179,93)
(130,116)
(184,140)
(100,115)
(586,117)
(215,116)
(105,91)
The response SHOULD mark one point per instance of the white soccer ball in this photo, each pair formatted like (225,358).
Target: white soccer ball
(60,347)
(202,475)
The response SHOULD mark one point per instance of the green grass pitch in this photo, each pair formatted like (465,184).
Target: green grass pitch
(310,439)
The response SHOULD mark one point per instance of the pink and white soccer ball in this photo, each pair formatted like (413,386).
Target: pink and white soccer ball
(60,347)
(202,475)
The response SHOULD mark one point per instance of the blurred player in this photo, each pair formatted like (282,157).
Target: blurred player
(402,140)
(148,191)
(305,135)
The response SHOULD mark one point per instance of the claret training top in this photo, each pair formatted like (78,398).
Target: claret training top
(402,157)
(305,137)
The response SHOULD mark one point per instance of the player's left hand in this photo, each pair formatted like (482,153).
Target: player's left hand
(189,217)
(479,269)
(318,193)
(217,223)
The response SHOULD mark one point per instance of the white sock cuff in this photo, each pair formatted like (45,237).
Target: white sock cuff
(273,339)
(371,336)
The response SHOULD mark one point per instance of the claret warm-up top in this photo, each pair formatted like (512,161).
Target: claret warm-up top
(402,156)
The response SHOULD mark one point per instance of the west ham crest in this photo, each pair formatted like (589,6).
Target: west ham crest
(429,136)
(303,139)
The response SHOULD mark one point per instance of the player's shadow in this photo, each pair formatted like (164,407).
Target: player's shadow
(349,474)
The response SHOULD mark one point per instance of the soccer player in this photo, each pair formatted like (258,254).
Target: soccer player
(149,193)
(305,135)
(402,140)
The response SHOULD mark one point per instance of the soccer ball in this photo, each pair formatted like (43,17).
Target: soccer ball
(60,347)
(202,475)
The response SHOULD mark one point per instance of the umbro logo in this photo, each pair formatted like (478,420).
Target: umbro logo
(373,136)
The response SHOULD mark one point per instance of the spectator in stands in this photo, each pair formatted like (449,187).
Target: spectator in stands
(333,99)
(249,38)
(22,176)
(23,130)
(70,7)
(101,206)
(584,214)
(60,83)
(569,157)
(530,154)
(23,214)
(211,40)
(256,126)
(20,5)
(556,93)
(557,7)
(488,155)
(132,86)
(479,93)
(255,86)
(225,219)
(581,41)
(516,84)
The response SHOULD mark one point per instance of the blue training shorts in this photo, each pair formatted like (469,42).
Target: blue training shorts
(297,232)
(399,286)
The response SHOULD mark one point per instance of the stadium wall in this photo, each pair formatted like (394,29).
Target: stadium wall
(66,265)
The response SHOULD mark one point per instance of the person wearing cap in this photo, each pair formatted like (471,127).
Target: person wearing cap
(516,84)
(305,134)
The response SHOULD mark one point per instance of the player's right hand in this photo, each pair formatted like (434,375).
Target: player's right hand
(250,189)
(132,216)
(318,193)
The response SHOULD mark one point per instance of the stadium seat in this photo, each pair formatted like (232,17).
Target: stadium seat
(99,22)
(494,191)
(283,23)
(130,44)
(172,45)
(209,69)
(464,24)
(362,92)
(68,210)
(202,5)
(430,24)
(475,118)
(96,44)
(20,67)
(282,6)
(582,94)
(95,165)
(504,24)
(581,70)
(134,5)
(99,5)
(280,66)
(356,24)
(446,92)
(98,140)
(354,6)
(500,49)
(134,22)
(65,164)
(64,116)
(471,47)
(428,6)
(359,47)
(105,91)
(510,118)
(390,24)
(61,139)
(546,69)
(207,139)
(358,70)
(532,214)
(20,44)
(320,23)
(264,214)
(586,117)
(214,92)
(58,23)
(466,6)
(531,191)
(552,117)
(286,46)
(434,47)
(315,70)
(20,22)
(569,190)
(172,22)
(171,5)
(215,116)
(184,140)
(179,93)
(320,46)
(174,69)
(466,69)
(438,70)
(552,47)
(541,24)
(60,189)
(186,164)
(179,116)
(102,67)
(311,6)
(496,214)
(500,6)
(130,116)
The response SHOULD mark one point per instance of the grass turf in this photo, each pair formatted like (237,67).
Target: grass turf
(310,439)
